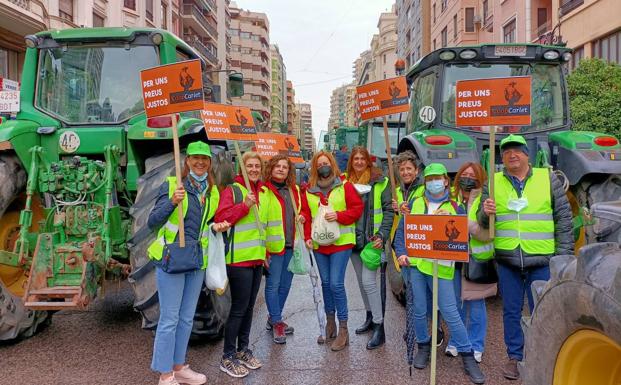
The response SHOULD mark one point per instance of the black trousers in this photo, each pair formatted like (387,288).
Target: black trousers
(244,282)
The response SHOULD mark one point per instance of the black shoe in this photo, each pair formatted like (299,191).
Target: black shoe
(421,359)
(366,326)
(471,367)
(378,338)
(440,336)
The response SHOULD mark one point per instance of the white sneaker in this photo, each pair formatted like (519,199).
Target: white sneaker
(478,356)
(451,351)
(190,377)
(169,381)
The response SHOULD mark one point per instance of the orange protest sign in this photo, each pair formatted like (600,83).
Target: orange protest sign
(225,122)
(437,237)
(270,144)
(493,102)
(381,98)
(172,88)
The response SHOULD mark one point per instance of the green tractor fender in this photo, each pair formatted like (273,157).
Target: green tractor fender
(449,147)
(19,136)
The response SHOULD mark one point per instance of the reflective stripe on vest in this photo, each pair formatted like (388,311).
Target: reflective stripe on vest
(338,203)
(378,213)
(481,251)
(168,232)
(532,229)
(247,243)
(275,232)
(446,269)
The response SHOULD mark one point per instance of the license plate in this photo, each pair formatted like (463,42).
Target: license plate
(510,50)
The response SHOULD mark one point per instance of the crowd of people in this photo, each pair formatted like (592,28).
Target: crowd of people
(532,223)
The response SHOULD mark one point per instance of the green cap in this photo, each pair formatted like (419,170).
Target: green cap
(199,148)
(371,257)
(434,169)
(512,139)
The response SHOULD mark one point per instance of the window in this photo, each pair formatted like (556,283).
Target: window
(485,10)
(4,63)
(578,55)
(65,9)
(434,12)
(175,23)
(384,58)
(455,26)
(234,32)
(443,5)
(149,9)
(434,44)
(164,16)
(542,16)
(98,21)
(569,5)
(131,4)
(422,95)
(469,19)
(244,35)
(508,32)
(444,37)
(608,47)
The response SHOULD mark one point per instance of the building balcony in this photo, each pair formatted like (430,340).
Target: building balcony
(569,5)
(211,55)
(543,29)
(196,19)
(22,17)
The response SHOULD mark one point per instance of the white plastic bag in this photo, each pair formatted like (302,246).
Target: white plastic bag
(215,274)
(322,231)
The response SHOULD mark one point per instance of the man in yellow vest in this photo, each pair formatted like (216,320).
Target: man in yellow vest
(533,223)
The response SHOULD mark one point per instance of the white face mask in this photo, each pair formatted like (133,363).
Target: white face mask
(517,204)
(362,188)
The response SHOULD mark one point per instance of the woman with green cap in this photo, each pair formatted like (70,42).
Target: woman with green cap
(436,201)
(178,292)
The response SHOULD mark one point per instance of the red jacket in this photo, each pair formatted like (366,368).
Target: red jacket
(232,213)
(348,216)
(281,200)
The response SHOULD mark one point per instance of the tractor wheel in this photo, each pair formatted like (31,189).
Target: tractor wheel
(15,320)
(212,309)
(595,190)
(574,334)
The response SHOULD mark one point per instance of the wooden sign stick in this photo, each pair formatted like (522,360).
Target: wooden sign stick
(391,173)
(178,176)
(492,171)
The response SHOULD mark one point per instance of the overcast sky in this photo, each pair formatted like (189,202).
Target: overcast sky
(319,41)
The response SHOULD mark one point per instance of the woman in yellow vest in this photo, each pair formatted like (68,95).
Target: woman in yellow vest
(408,189)
(276,198)
(436,201)
(326,186)
(178,293)
(373,226)
(245,257)
(469,181)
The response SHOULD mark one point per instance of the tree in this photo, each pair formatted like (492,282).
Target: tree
(595,96)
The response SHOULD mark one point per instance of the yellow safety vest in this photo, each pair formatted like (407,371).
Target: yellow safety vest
(338,203)
(532,228)
(481,251)
(378,212)
(446,269)
(170,229)
(275,232)
(246,242)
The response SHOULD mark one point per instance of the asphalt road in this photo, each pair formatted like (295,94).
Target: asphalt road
(105,345)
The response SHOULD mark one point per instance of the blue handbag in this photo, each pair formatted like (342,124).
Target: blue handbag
(176,259)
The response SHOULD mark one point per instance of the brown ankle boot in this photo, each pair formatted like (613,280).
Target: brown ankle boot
(330,330)
(342,339)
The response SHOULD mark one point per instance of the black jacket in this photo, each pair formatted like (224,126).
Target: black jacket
(563,229)
(364,225)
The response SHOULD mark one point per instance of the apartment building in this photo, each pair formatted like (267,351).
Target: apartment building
(384,46)
(337,107)
(223,15)
(297,123)
(278,104)
(250,55)
(290,107)
(306,126)
(413,29)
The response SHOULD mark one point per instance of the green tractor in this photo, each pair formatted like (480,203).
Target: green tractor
(574,334)
(79,170)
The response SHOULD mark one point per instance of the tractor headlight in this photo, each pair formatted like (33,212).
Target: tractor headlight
(156,38)
(447,55)
(31,41)
(468,54)
(550,55)
(567,56)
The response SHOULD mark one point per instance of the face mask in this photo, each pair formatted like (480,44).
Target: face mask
(435,186)
(467,184)
(517,204)
(362,188)
(198,178)
(324,171)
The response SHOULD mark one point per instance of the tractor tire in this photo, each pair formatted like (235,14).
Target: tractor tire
(574,334)
(595,190)
(15,320)
(212,309)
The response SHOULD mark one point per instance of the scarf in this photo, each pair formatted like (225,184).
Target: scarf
(443,198)
(362,178)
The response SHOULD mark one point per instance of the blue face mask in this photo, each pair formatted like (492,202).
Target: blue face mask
(198,178)
(435,186)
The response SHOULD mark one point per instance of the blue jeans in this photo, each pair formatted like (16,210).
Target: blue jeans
(512,283)
(332,272)
(178,295)
(474,316)
(277,284)
(447,305)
